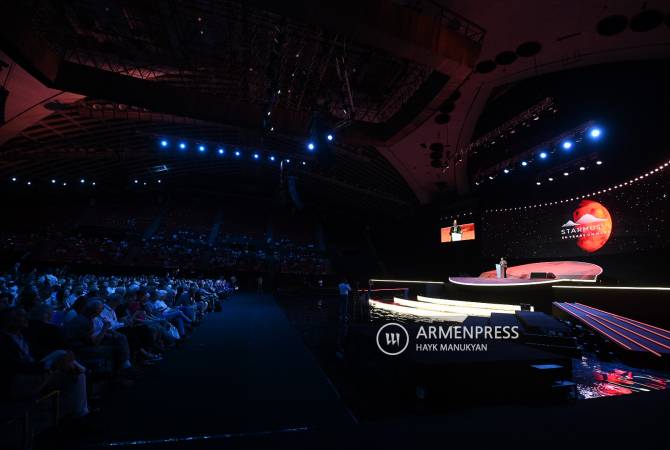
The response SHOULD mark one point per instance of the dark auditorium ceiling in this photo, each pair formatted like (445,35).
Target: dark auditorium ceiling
(104,79)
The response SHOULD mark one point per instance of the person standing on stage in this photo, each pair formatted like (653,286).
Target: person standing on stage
(455,229)
(503,267)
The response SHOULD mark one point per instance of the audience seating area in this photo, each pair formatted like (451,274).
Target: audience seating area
(238,235)
(65,338)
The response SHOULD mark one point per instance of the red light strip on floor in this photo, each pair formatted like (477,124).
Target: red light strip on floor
(627,329)
(639,344)
(632,322)
(383,289)
(593,326)
(627,319)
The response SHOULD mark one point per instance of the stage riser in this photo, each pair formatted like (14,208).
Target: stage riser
(650,306)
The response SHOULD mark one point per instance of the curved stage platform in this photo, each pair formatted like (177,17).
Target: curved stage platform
(536,273)
(526,283)
(559,270)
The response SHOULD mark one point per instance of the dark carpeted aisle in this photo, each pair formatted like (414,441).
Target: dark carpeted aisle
(245,370)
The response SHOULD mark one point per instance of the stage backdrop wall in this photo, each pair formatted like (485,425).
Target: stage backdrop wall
(631,219)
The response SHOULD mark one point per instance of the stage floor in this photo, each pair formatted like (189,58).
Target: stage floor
(562,270)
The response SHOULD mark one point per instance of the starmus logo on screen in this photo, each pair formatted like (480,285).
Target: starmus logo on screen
(590,226)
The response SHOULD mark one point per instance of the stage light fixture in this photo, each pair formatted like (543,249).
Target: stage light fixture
(582,168)
(538,183)
(551,179)
(304,163)
(310,146)
(93,184)
(524,163)
(565,174)
(221,151)
(29,183)
(329,137)
(543,155)
(64,183)
(164,143)
(595,133)
(182,145)
(599,162)
(53,181)
(490,177)
(567,145)
(506,170)
(159,181)
(237,153)
(144,184)
(201,148)
(13,178)
(136,181)
(272,158)
(255,155)
(82,181)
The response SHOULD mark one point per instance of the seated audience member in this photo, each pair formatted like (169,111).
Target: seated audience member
(76,308)
(159,308)
(138,337)
(23,376)
(41,334)
(86,334)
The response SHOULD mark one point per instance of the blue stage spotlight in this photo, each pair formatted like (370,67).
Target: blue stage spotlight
(164,143)
(82,181)
(136,181)
(13,178)
(255,155)
(53,181)
(287,161)
(506,170)
(567,145)
(595,133)
(543,155)
(182,145)
(93,184)
(221,151)
(272,158)
(311,146)
(237,153)
(329,137)
(304,163)
(201,148)
(524,163)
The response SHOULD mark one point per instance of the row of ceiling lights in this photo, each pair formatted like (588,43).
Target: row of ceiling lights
(591,194)
(567,145)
